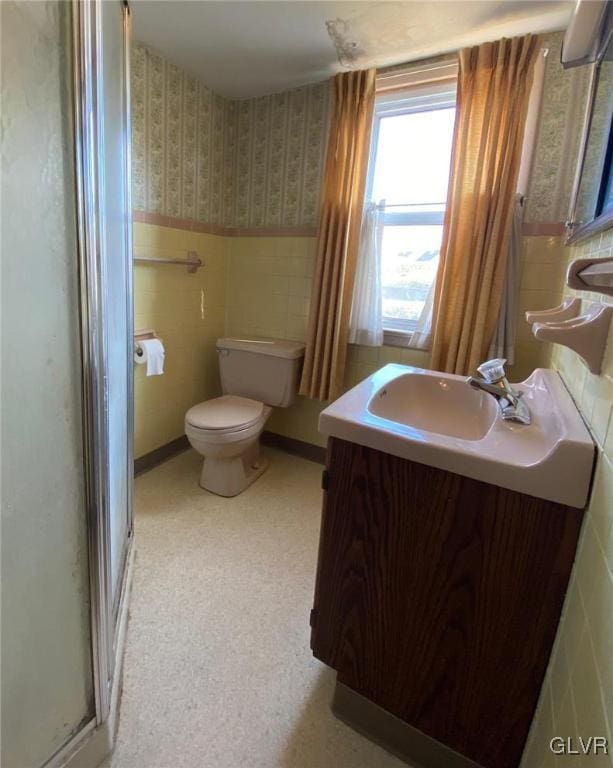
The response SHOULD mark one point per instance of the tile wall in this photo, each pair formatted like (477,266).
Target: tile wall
(542,272)
(269,285)
(577,697)
(187,311)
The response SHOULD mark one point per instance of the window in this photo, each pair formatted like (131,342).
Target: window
(409,171)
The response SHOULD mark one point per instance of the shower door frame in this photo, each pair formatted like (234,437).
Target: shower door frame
(106,613)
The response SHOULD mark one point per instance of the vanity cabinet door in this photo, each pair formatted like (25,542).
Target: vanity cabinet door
(438,597)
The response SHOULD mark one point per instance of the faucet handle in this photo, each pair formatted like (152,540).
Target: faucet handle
(493,370)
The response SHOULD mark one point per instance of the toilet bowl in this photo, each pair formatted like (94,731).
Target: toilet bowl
(255,375)
(226,431)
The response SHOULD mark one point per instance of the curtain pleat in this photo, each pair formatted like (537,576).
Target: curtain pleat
(493,92)
(339,233)
(366,317)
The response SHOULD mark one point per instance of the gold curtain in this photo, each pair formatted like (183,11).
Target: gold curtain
(494,84)
(339,232)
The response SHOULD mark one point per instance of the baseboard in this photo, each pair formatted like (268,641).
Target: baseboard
(164,452)
(308,451)
(288,444)
(94,744)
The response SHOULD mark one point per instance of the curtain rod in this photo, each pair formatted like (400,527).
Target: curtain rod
(408,205)
(422,65)
(381,206)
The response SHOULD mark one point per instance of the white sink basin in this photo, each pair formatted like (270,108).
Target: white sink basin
(440,420)
(437,404)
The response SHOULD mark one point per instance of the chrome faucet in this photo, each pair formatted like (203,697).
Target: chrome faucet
(494,381)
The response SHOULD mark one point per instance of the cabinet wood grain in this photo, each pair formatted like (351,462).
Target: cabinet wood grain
(438,597)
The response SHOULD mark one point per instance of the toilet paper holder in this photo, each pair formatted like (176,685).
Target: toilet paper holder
(146,333)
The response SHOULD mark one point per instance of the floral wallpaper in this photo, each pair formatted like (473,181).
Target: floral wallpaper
(178,141)
(280,145)
(259,162)
(557,142)
(197,155)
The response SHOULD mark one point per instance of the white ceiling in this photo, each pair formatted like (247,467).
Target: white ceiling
(244,49)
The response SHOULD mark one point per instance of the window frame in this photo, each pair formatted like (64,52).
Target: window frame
(413,96)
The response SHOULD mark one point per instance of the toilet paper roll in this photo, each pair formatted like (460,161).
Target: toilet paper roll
(152,353)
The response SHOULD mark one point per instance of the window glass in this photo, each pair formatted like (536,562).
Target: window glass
(413,152)
(409,171)
(409,264)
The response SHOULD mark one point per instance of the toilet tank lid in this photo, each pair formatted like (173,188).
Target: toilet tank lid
(291,350)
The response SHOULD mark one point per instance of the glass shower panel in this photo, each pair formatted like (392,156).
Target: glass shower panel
(116,222)
(47,679)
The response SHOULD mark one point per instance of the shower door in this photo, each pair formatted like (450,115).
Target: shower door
(102,53)
(116,252)
(66,377)
(47,680)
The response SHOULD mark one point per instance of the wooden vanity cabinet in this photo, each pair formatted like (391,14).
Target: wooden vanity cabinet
(438,597)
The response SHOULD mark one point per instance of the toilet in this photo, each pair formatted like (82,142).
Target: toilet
(256,375)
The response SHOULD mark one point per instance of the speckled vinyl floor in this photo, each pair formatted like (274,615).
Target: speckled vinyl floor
(218,670)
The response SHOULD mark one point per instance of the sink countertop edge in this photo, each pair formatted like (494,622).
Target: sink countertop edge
(546,479)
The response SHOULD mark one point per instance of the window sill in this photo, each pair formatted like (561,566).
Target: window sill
(398,339)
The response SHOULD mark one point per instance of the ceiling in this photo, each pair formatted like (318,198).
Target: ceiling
(245,49)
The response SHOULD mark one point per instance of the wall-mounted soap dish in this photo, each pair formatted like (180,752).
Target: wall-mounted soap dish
(586,334)
(591,275)
(568,309)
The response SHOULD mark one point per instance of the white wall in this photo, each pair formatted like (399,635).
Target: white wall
(47,687)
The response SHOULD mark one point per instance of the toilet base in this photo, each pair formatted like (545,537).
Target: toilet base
(230,476)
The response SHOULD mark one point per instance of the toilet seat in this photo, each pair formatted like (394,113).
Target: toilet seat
(221,437)
(224,415)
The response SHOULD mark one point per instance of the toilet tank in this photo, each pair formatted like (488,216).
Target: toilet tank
(262,369)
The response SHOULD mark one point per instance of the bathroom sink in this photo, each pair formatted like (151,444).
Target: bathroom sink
(436,404)
(439,419)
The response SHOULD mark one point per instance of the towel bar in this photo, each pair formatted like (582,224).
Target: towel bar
(193,262)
